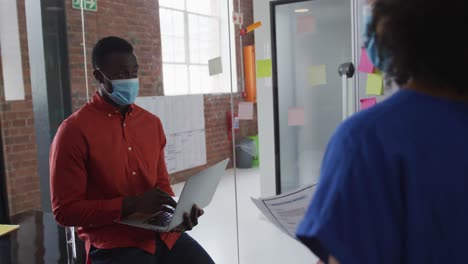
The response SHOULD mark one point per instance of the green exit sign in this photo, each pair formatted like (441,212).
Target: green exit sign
(88,5)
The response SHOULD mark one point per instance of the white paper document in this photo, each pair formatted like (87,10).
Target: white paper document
(287,210)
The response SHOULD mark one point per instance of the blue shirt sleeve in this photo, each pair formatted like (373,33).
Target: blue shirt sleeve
(356,213)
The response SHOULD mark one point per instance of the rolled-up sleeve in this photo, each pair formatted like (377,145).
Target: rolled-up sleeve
(68,183)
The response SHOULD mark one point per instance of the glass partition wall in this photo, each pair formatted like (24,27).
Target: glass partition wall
(187,68)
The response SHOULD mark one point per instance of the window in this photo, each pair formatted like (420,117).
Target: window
(193,32)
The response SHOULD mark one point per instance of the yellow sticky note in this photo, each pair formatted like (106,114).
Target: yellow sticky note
(6,229)
(317,75)
(374,84)
(263,68)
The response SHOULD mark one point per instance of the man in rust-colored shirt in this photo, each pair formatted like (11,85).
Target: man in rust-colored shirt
(107,162)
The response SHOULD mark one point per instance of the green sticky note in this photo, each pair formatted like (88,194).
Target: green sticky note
(374,84)
(317,75)
(264,68)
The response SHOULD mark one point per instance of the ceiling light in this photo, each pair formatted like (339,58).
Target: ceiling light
(301,10)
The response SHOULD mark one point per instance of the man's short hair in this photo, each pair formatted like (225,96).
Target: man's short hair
(108,45)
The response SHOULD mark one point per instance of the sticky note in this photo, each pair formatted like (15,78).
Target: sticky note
(264,68)
(238,18)
(374,84)
(245,111)
(365,65)
(6,229)
(305,24)
(215,66)
(296,116)
(368,103)
(317,75)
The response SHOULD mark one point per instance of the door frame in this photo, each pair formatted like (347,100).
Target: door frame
(273,5)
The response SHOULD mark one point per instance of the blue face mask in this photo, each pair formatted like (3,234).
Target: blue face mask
(371,45)
(124,92)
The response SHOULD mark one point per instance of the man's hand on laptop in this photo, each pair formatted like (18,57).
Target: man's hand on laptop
(190,220)
(149,202)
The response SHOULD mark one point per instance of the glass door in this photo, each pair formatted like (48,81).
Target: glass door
(311,39)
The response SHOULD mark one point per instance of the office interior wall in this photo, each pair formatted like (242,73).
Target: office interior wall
(330,45)
(19,139)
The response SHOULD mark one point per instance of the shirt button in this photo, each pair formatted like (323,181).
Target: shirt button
(130,148)
(109,115)
(124,125)
(134,173)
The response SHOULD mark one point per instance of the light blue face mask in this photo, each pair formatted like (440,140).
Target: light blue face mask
(371,45)
(124,91)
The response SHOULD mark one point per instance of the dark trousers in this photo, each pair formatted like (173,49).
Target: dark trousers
(186,250)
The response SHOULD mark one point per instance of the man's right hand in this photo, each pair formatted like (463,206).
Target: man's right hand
(149,202)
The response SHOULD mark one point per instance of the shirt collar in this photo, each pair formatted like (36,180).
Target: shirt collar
(102,105)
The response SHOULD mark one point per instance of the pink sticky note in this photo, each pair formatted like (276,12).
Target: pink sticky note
(296,116)
(306,24)
(245,111)
(365,65)
(368,103)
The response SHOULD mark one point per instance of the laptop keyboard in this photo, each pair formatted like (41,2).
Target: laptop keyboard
(160,219)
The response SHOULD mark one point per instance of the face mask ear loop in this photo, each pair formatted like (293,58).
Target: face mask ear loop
(107,92)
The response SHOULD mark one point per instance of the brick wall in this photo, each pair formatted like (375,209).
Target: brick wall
(139,23)
(19,142)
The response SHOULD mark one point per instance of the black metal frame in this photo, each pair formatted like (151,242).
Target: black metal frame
(273,5)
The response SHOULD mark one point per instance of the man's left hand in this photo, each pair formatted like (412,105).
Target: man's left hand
(190,220)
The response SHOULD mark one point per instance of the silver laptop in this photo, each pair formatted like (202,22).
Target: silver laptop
(199,189)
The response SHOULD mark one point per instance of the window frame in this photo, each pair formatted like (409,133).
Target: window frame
(187,41)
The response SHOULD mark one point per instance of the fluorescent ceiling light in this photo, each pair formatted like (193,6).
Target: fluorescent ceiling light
(301,10)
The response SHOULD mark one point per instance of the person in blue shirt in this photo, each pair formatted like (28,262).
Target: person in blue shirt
(394,179)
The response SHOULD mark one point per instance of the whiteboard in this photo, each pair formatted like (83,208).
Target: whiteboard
(183,119)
